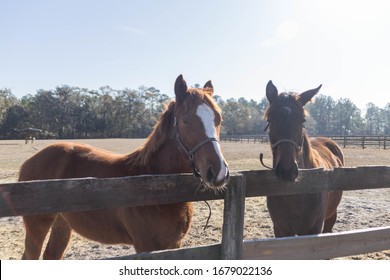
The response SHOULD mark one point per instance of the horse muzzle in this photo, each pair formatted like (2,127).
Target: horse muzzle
(214,179)
(286,174)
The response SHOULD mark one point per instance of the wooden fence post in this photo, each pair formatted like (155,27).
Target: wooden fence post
(233,220)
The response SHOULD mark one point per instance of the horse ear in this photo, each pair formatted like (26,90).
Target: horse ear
(271,92)
(308,95)
(180,89)
(208,87)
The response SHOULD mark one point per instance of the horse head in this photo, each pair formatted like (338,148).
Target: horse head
(286,117)
(197,126)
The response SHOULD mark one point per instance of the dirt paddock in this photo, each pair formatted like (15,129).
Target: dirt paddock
(358,209)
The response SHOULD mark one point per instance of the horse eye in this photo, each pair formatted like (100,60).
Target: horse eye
(185,120)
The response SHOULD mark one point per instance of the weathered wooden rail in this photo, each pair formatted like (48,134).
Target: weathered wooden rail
(37,197)
(376,141)
(245,138)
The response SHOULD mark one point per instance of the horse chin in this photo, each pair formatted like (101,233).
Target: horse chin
(290,179)
(215,187)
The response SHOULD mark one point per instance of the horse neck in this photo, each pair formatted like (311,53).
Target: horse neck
(160,154)
(307,157)
(170,159)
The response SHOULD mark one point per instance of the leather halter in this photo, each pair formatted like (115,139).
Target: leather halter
(285,140)
(277,143)
(296,146)
(190,153)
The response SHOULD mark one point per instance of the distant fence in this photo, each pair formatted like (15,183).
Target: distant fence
(51,196)
(377,141)
(245,138)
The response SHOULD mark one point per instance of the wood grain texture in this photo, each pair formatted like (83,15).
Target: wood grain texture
(233,220)
(35,197)
(321,246)
(50,196)
(210,252)
(265,183)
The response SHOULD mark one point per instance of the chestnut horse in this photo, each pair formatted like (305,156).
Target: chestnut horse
(184,140)
(292,149)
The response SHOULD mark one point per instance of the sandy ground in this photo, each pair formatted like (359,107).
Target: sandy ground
(358,209)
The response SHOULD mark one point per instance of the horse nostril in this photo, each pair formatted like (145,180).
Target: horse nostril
(286,175)
(210,175)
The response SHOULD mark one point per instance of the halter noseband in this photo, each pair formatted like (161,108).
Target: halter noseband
(296,146)
(277,143)
(191,153)
(285,140)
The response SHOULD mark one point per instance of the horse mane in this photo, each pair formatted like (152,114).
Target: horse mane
(161,133)
(163,130)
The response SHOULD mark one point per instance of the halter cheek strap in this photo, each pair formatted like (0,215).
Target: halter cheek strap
(191,153)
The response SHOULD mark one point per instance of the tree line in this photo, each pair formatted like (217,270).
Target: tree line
(72,112)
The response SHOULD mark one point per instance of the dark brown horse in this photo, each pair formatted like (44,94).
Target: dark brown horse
(184,140)
(292,149)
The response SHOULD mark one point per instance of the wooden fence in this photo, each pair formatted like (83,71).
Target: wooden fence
(377,141)
(245,138)
(37,197)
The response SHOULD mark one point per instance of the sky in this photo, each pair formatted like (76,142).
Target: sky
(239,45)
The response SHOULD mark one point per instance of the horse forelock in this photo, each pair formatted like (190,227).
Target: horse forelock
(203,95)
(289,100)
(196,97)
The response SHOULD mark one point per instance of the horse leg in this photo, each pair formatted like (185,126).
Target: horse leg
(279,233)
(37,227)
(334,199)
(316,229)
(329,223)
(59,239)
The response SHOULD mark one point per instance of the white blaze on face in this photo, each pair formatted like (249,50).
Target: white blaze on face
(206,114)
